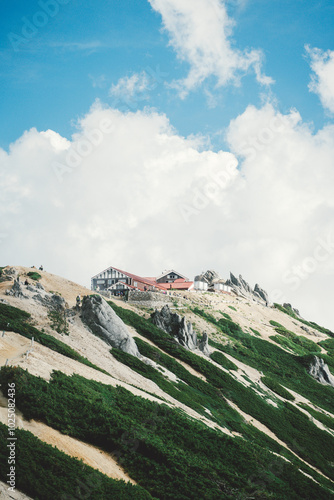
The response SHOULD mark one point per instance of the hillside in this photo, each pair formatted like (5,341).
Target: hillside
(145,417)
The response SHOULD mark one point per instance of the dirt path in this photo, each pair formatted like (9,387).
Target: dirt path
(13,347)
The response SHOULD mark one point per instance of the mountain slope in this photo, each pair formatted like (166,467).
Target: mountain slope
(248,421)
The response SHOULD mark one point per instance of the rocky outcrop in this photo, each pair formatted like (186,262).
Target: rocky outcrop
(320,372)
(8,274)
(203,344)
(176,326)
(289,306)
(17,290)
(51,301)
(211,276)
(261,293)
(241,288)
(104,323)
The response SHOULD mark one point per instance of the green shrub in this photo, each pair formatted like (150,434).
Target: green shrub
(233,308)
(327,344)
(274,323)
(58,321)
(227,316)
(34,275)
(222,360)
(276,387)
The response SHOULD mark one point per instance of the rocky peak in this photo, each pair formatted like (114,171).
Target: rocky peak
(243,289)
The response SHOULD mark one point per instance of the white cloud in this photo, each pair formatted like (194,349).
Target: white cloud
(200,32)
(322,81)
(141,197)
(130,88)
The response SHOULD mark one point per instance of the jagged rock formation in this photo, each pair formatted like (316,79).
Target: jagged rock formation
(243,289)
(261,293)
(203,344)
(176,326)
(320,371)
(104,323)
(211,276)
(289,306)
(17,290)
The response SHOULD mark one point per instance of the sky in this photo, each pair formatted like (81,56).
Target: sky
(185,134)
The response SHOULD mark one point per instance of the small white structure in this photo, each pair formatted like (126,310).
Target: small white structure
(200,283)
(220,286)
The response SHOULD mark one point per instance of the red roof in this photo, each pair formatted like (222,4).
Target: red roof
(177,285)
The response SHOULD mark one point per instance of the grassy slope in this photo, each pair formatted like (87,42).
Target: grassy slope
(168,453)
(287,422)
(171,456)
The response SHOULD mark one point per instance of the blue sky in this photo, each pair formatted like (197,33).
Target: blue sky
(186,134)
(47,82)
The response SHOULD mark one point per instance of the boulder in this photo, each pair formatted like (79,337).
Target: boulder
(320,372)
(204,344)
(176,326)
(104,323)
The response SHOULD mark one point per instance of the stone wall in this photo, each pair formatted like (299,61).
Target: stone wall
(149,299)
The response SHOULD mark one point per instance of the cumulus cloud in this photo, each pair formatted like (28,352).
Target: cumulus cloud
(200,32)
(322,79)
(128,190)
